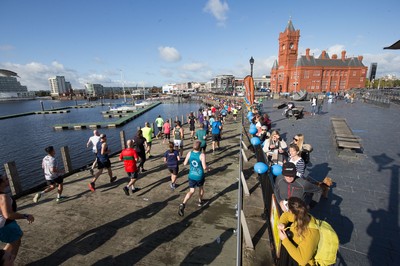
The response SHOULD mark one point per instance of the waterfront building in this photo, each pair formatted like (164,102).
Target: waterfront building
(224,82)
(94,90)
(372,71)
(57,86)
(291,73)
(166,89)
(11,88)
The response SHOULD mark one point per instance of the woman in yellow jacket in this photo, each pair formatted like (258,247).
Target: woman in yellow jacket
(301,241)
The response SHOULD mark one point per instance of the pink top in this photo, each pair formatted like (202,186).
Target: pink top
(167,128)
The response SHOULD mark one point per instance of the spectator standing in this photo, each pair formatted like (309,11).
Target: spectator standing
(320,103)
(313,103)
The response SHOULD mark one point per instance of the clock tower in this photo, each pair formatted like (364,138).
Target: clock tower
(288,46)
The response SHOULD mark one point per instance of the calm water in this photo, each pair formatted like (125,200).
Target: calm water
(23,139)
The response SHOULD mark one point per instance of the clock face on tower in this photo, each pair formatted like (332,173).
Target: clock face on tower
(291,46)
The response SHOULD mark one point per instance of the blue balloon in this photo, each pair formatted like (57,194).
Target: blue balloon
(252,125)
(253,130)
(249,114)
(260,168)
(255,141)
(276,169)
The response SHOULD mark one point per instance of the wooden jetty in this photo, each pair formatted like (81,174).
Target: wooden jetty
(120,122)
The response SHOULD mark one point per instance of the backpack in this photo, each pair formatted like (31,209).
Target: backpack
(328,244)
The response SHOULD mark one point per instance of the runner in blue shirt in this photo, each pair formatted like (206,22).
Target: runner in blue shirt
(216,128)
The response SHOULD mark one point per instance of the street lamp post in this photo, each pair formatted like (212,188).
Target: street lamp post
(251,66)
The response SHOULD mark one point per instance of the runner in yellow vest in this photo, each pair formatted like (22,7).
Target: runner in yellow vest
(148,135)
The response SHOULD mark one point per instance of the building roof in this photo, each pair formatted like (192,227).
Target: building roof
(290,26)
(312,61)
(275,65)
(8,73)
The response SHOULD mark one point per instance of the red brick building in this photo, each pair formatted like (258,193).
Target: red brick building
(290,73)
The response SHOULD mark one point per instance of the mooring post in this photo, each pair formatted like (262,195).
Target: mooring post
(122,138)
(66,159)
(12,173)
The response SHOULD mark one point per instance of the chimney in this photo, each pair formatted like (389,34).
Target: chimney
(334,56)
(308,53)
(360,58)
(323,55)
(343,55)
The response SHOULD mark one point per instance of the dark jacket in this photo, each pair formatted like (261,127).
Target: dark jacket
(298,188)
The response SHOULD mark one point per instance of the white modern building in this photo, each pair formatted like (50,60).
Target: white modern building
(168,88)
(57,86)
(11,88)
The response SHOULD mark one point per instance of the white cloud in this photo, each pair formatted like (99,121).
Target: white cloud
(169,54)
(218,9)
(387,63)
(193,67)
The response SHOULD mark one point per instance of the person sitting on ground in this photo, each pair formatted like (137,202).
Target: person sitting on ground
(302,238)
(289,185)
(288,111)
(298,139)
(294,157)
(275,147)
(266,121)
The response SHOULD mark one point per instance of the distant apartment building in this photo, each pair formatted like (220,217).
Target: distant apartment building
(291,73)
(57,86)
(94,90)
(372,71)
(11,88)
(224,82)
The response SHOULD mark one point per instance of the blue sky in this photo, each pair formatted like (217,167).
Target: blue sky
(156,42)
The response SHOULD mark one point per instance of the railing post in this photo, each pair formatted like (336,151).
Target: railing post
(122,138)
(66,159)
(12,173)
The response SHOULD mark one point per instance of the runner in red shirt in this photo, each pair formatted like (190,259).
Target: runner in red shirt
(129,156)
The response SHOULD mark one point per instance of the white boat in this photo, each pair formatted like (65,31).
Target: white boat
(142,103)
(122,107)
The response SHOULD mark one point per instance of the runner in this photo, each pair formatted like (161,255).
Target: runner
(167,131)
(171,158)
(198,165)
(103,161)
(191,122)
(178,137)
(93,141)
(159,122)
(141,146)
(201,135)
(148,135)
(216,129)
(52,175)
(129,156)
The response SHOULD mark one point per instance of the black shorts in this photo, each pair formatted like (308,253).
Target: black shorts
(167,136)
(101,165)
(149,144)
(191,128)
(174,170)
(59,180)
(216,137)
(159,129)
(194,183)
(133,175)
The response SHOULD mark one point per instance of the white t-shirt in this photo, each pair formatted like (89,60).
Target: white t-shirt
(48,164)
(94,140)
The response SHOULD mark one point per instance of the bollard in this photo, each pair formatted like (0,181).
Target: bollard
(66,159)
(122,138)
(152,127)
(12,173)
(183,121)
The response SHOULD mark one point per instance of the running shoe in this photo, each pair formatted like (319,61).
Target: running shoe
(143,170)
(201,203)
(60,199)
(92,186)
(172,186)
(37,197)
(181,209)
(112,179)
(135,189)
(126,190)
